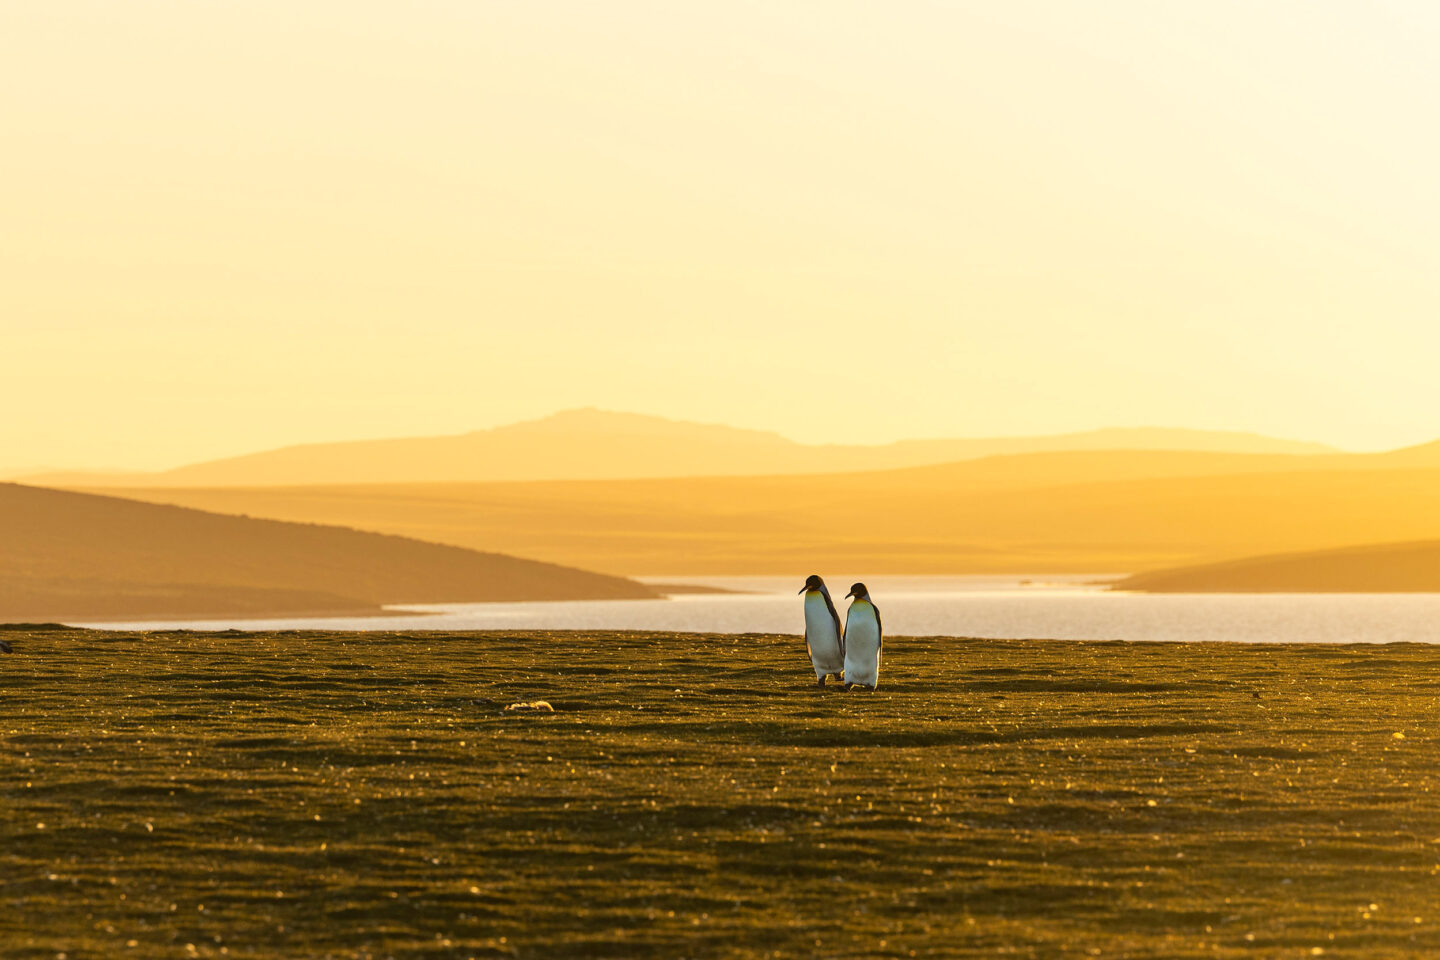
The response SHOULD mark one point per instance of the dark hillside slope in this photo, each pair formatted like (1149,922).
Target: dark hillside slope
(76,556)
(1374,568)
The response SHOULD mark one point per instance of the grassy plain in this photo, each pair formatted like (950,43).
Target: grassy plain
(362,795)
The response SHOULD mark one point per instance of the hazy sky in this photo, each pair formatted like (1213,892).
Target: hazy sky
(231,225)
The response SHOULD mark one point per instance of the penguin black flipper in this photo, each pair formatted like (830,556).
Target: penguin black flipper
(879,628)
(835,617)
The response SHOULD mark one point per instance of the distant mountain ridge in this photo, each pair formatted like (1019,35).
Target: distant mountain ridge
(74,556)
(591,444)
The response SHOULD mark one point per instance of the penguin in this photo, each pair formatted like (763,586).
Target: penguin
(823,636)
(862,640)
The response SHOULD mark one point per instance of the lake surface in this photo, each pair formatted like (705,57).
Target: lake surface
(1064,608)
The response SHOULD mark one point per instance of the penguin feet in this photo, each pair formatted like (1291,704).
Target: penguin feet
(820,683)
(848,686)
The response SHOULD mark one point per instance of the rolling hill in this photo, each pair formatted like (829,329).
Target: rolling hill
(595,444)
(73,556)
(1088,512)
(1374,568)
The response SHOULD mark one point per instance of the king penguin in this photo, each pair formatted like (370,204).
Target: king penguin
(823,636)
(862,640)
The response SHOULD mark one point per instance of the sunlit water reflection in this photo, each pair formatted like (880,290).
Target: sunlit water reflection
(1071,608)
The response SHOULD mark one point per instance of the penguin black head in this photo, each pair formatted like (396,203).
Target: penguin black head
(858,591)
(813,582)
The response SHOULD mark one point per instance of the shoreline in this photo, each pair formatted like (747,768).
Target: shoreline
(687,636)
(1021,587)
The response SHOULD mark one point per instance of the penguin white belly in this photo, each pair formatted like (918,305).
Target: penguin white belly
(862,645)
(821,637)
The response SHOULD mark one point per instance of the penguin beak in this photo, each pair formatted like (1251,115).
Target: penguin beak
(804,588)
(850,594)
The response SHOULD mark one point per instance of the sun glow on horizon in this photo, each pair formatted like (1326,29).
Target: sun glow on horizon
(236,227)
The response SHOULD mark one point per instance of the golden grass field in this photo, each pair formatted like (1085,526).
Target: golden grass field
(1102,512)
(363,796)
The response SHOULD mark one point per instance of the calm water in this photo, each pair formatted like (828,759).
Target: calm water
(1069,608)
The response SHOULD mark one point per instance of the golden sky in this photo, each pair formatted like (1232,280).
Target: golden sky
(226,226)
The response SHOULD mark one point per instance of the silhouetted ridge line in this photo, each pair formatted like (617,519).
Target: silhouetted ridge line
(595,444)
